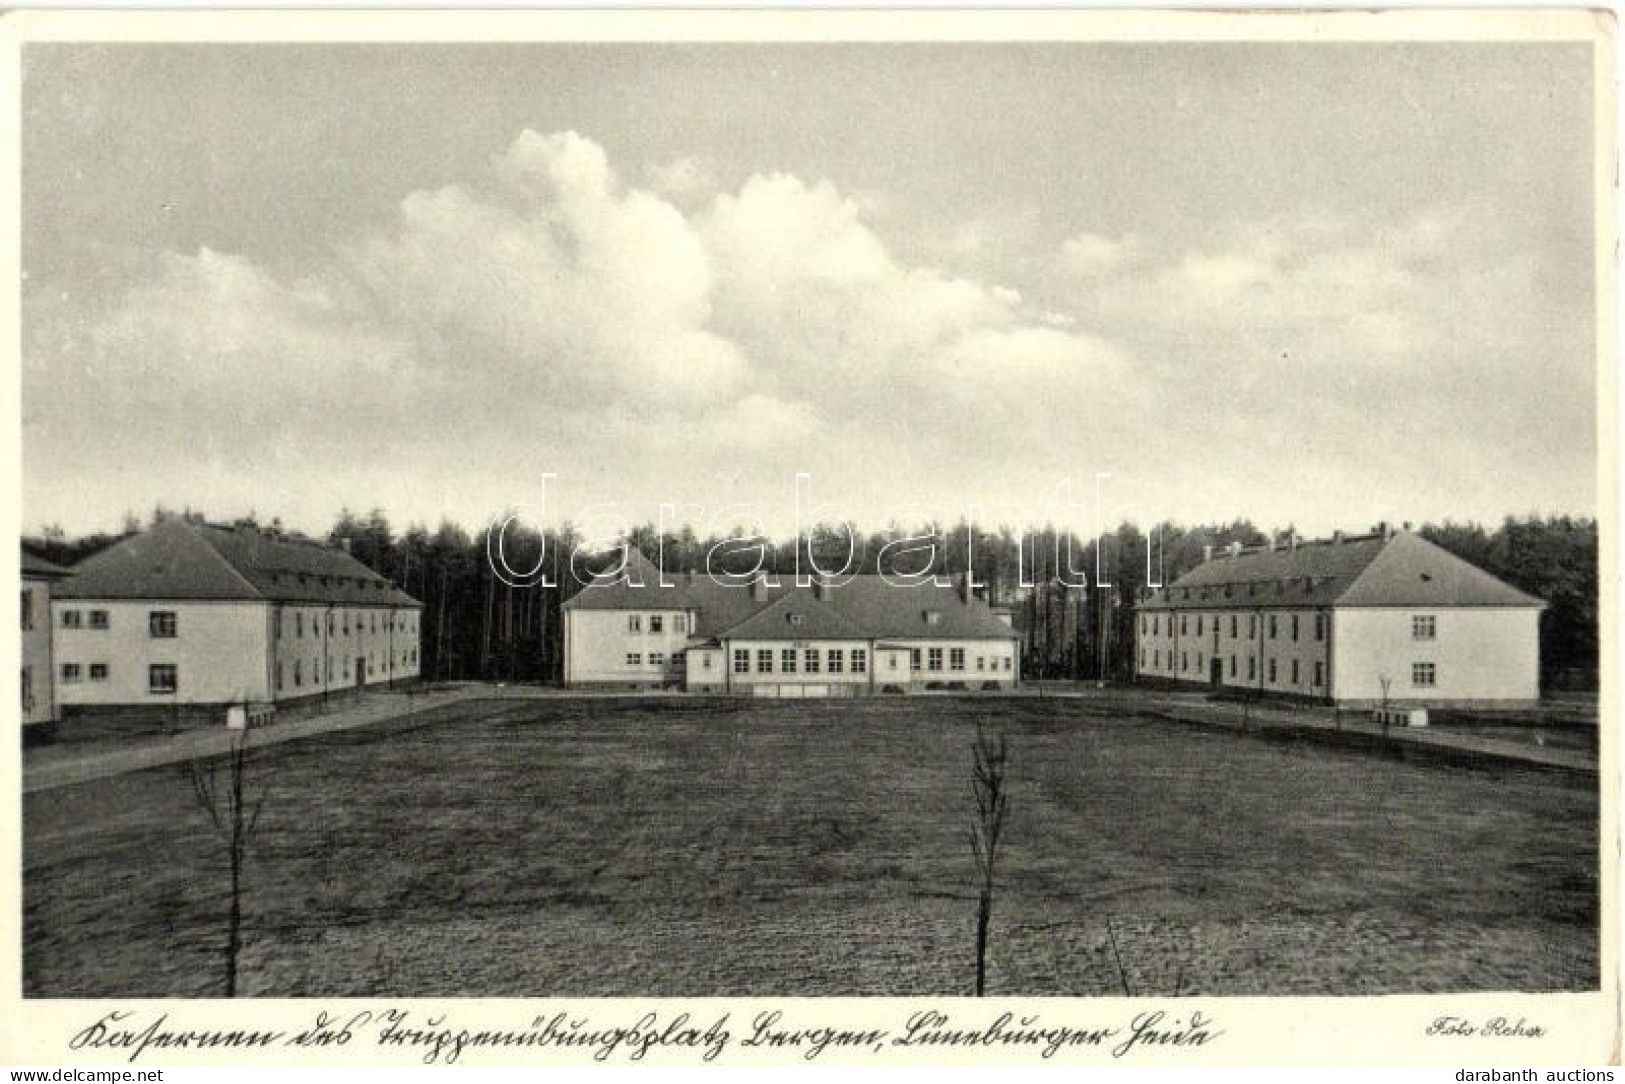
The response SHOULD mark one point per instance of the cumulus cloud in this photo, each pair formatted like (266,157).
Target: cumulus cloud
(544,295)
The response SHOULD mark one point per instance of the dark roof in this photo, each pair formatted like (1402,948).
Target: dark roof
(795,615)
(1372,570)
(35,567)
(865,607)
(180,560)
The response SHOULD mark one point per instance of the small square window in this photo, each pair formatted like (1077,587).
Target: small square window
(162,678)
(1423,675)
(1424,627)
(98,671)
(70,672)
(98,619)
(161,624)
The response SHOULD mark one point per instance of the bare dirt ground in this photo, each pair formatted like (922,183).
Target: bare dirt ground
(559,847)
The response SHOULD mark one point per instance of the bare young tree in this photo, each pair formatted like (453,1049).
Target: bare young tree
(233,801)
(990,756)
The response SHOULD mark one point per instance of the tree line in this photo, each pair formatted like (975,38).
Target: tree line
(476,626)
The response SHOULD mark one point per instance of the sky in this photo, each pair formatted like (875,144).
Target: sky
(1311,285)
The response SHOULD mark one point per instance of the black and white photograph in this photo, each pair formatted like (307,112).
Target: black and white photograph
(815,510)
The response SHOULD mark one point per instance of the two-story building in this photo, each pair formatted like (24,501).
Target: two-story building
(200,616)
(38,699)
(770,637)
(1387,617)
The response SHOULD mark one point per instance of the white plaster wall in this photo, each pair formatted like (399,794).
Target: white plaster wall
(1479,653)
(219,651)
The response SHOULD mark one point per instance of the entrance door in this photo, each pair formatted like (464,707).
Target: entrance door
(360,671)
(1216,671)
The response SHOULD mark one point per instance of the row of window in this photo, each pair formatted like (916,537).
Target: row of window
(402,659)
(811,660)
(656,623)
(1423,674)
(956,660)
(338,623)
(1423,626)
(655,658)
(160,623)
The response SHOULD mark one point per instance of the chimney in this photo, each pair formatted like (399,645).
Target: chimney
(1207,553)
(821,587)
(758,588)
(688,578)
(964,588)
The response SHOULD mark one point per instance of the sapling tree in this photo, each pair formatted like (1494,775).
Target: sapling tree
(233,801)
(990,756)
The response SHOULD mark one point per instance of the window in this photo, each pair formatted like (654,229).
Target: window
(1156,624)
(316,670)
(28,688)
(933,617)
(679,623)
(1198,624)
(1183,659)
(891,660)
(298,672)
(933,659)
(635,658)
(1007,662)
(1232,626)
(1156,660)
(347,623)
(1294,671)
(860,661)
(1143,624)
(1294,627)
(1423,627)
(1272,671)
(98,671)
(28,610)
(98,619)
(705,660)
(70,672)
(1252,668)
(1320,629)
(1232,666)
(332,622)
(837,660)
(657,622)
(981,660)
(764,660)
(634,623)
(278,677)
(1423,674)
(346,667)
(1182,623)
(72,619)
(810,658)
(657,658)
(787,660)
(1273,628)
(956,658)
(741,661)
(913,658)
(161,678)
(161,624)
(1320,674)
(1252,626)
(299,624)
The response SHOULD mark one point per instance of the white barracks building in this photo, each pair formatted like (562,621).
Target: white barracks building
(1350,620)
(771,638)
(202,616)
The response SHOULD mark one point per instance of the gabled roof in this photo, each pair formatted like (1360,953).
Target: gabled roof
(1411,571)
(866,607)
(795,615)
(35,567)
(176,560)
(1373,570)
